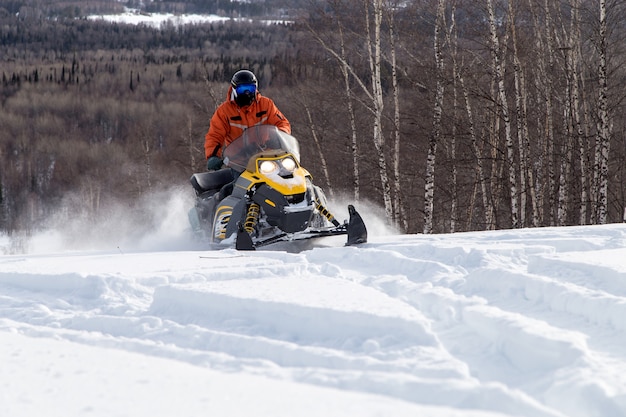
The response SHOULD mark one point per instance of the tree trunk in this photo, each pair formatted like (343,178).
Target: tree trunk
(577,79)
(452,148)
(526,171)
(546,177)
(480,171)
(603,137)
(319,150)
(374,53)
(356,186)
(435,136)
(398,212)
(566,163)
(504,110)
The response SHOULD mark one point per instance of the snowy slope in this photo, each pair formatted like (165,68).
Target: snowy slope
(504,323)
(135,17)
(159,20)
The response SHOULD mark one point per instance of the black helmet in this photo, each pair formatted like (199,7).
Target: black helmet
(245,85)
(244,77)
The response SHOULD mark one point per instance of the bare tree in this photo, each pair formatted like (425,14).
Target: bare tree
(458,75)
(319,148)
(398,214)
(526,171)
(504,112)
(353,136)
(374,93)
(375,59)
(574,72)
(544,84)
(603,137)
(435,136)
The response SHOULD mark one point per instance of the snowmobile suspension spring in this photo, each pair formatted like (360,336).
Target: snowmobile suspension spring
(324,212)
(251,218)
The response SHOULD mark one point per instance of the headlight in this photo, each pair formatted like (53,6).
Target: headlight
(267,167)
(285,166)
(288,164)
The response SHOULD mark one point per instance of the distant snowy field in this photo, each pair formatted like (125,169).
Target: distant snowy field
(525,322)
(132,16)
(157,20)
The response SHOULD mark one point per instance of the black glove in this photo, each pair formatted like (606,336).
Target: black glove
(213,163)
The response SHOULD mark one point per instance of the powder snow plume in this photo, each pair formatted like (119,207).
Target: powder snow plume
(155,221)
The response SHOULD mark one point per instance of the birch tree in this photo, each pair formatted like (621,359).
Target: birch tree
(453,140)
(603,136)
(566,163)
(487,208)
(577,81)
(345,71)
(435,136)
(545,185)
(318,146)
(374,93)
(504,110)
(398,213)
(527,177)
(375,56)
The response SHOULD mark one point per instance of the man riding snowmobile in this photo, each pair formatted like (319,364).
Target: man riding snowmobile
(273,197)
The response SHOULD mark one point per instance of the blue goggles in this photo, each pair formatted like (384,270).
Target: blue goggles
(245,89)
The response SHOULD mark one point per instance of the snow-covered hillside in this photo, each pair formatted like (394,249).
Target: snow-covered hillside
(505,323)
(158,20)
(135,17)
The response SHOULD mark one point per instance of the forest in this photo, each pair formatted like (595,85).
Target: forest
(447,115)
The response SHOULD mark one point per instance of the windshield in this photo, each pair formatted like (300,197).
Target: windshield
(258,139)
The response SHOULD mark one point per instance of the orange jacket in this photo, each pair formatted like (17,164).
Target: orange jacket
(229,121)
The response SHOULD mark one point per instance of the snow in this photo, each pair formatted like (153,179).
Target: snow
(135,17)
(527,322)
(159,20)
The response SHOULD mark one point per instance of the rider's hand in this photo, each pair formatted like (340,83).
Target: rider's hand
(213,163)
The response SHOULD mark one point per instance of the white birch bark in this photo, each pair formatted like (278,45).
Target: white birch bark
(576,108)
(506,118)
(452,148)
(546,177)
(566,163)
(374,52)
(604,128)
(398,213)
(454,203)
(429,191)
(525,177)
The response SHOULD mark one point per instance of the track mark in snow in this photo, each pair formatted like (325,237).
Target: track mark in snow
(315,315)
(518,323)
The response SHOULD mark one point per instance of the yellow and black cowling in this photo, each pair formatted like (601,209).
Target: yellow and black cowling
(280,186)
(271,185)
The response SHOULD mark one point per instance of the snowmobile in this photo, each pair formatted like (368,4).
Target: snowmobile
(263,195)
